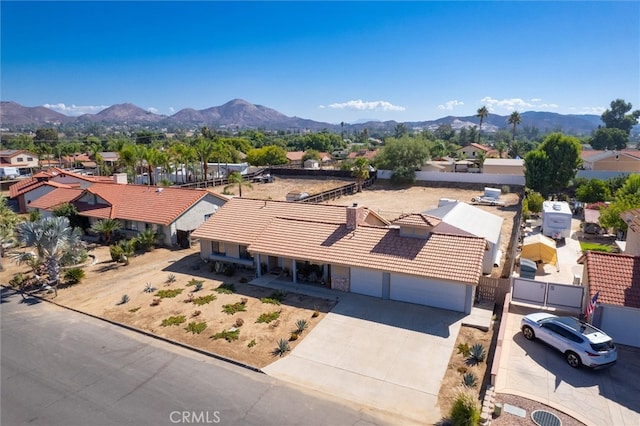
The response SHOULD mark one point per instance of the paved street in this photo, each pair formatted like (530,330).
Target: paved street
(63,368)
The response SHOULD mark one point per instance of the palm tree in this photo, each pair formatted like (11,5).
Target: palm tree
(53,239)
(205,149)
(360,171)
(501,147)
(106,228)
(236,178)
(129,157)
(514,120)
(482,113)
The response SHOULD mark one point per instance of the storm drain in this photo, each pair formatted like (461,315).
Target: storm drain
(545,418)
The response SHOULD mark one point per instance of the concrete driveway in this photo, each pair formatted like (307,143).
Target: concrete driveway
(388,355)
(533,370)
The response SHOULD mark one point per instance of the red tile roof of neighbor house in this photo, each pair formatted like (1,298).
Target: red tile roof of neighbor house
(615,276)
(369,155)
(27,185)
(56,197)
(318,232)
(588,153)
(160,205)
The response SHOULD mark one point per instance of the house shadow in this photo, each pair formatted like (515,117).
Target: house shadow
(8,295)
(618,383)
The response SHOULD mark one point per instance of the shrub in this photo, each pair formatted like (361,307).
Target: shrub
(233,308)
(225,288)
(293,337)
(203,300)
(74,275)
(282,348)
(189,298)
(196,313)
(124,299)
(275,298)
(193,282)
(252,343)
(168,294)
(228,335)
(478,353)
(198,287)
(270,300)
(176,320)
(244,300)
(146,239)
(315,314)
(267,317)
(462,369)
(274,324)
(156,302)
(171,279)
(469,380)
(465,411)
(116,252)
(149,288)
(463,348)
(239,322)
(18,279)
(196,327)
(301,325)
(135,309)
(534,202)
(229,271)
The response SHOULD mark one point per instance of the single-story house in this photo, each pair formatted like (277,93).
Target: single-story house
(627,160)
(349,249)
(473,150)
(477,222)
(171,212)
(504,166)
(363,153)
(617,279)
(632,244)
(295,158)
(438,166)
(28,190)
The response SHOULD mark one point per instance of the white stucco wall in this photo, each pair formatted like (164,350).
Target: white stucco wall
(195,216)
(36,193)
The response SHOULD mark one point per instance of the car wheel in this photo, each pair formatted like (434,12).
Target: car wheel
(528,333)
(573,359)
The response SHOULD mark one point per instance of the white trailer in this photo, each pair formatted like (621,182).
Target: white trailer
(556,219)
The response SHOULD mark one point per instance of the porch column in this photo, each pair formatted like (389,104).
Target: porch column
(325,272)
(258,266)
(294,270)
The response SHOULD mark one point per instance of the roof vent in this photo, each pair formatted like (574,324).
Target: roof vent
(159,190)
(557,207)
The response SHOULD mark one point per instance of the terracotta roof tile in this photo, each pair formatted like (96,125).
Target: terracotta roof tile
(374,248)
(56,197)
(616,276)
(417,219)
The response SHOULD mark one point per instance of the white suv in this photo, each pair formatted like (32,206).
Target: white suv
(580,342)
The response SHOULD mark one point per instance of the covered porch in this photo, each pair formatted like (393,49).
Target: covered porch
(293,270)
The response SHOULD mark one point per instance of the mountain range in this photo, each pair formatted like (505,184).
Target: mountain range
(241,114)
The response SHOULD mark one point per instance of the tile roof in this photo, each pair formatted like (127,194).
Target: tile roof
(369,155)
(140,202)
(375,248)
(56,197)
(595,155)
(27,185)
(616,276)
(61,172)
(417,219)
(318,232)
(632,218)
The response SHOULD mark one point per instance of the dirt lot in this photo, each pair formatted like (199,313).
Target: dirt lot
(106,282)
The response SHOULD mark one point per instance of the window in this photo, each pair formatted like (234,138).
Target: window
(207,216)
(215,247)
(20,159)
(29,158)
(130,225)
(148,226)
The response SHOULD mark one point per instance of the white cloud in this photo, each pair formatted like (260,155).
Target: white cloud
(593,110)
(153,110)
(505,104)
(535,100)
(547,105)
(361,105)
(75,110)
(449,105)
(172,110)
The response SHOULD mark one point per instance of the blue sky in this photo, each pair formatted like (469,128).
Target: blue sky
(327,61)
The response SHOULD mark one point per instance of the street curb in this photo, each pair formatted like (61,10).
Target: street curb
(146,333)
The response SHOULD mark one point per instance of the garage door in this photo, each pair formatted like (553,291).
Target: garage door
(366,281)
(406,288)
(615,322)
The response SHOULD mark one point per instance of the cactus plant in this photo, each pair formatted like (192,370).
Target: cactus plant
(301,325)
(282,348)
(469,380)
(478,353)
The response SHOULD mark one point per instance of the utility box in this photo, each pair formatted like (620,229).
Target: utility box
(528,268)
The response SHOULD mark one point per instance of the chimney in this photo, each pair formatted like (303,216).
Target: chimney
(120,178)
(355,216)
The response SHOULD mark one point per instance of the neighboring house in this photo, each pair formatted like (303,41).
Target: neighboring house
(627,160)
(473,150)
(28,190)
(23,160)
(83,161)
(110,158)
(311,163)
(349,249)
(295,158)
(617,279)
(171,212)
(477,222)
(632,244)
(503,166)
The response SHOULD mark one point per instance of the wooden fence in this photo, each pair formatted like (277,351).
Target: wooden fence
(338,192)
(493,289)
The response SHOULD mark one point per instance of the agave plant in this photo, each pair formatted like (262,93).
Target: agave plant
(301,325)
(171,278)
(478,353)
(198,286)
(282,348)
(124,299)
(469,380)
(149,288)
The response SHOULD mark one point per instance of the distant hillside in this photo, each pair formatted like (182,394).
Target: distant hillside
(241,114)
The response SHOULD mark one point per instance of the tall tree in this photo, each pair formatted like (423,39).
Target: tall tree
(561,158)
(400,130)
(537,169)
(482,113)
(609,138)
(205,150)
(514,120)
(403,156)
(617,117)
